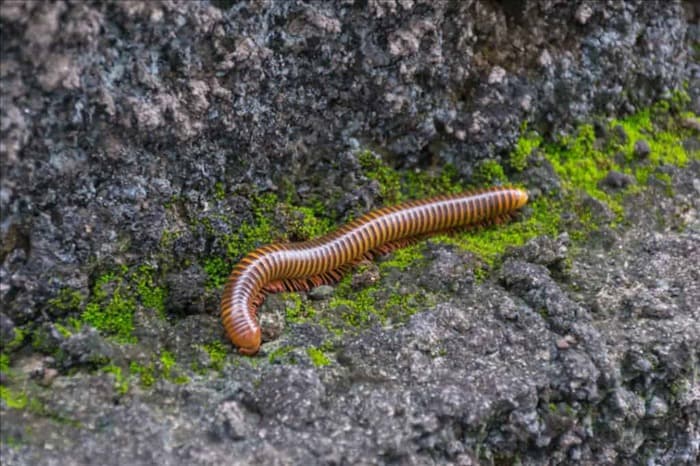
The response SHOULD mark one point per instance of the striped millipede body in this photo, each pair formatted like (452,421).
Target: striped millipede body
(300,266)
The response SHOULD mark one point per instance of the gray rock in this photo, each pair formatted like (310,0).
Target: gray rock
(86,347)
(142,132)
(617,180)
(642,149)
(7,330)
(321,292)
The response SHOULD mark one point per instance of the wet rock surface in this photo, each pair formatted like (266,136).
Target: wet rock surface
(135,136)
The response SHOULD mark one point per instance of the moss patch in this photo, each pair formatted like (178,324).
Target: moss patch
(13,399)
(164,367)
(296,310)
(582,161)
(403,257)
(217,354)
(282,354)
(151,296)
(113,301)
(111,311)
(4,363)
(382,303)
(304,222)
(67,300)
(489,172)
(526,145)
(581,167)
(145,374)
(169,369)
(217,270)
(355,309)
(17,339)
(491,242)
(318,357)
(272,220)
(376,169)
(121,382)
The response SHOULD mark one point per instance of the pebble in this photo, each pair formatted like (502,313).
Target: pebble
(566,342)
(616,179)
(641,148)
(321,292)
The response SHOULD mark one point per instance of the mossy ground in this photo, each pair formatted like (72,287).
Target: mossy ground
(580,161)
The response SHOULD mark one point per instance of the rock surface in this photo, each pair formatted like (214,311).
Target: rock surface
(137,136)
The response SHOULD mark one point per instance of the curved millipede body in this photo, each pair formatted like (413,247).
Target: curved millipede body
(299,266)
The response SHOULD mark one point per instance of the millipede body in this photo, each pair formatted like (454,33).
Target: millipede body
(300,266)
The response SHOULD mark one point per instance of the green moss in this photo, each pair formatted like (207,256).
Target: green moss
(527,143)
(217,270)
(151,296)
(168,367)
(146,374)
(389,180)
(296,311)
(318,357)
(4,362)
(305,223)
(489,172)
(11,441)
(399,307)
(167,361)
(67,300)
(17,340)
(396,186)
(217,354)
(687,115)
(41,342)
(249,237)
(356,310)
(581,164)
(491,242)
(111,313)
(404,257)
(280,354)
(245,239)
(219,191)
(163,367)
(22,401)
(373,304)
(111,305)
(666,146)
(421,184)
(167,238)
(65,331)
(679,99)
(13,399)
(582,167)
(121,383)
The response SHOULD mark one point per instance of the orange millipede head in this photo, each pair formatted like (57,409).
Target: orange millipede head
(248,342)
(521,198)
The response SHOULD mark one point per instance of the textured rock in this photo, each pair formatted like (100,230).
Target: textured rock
(139,133)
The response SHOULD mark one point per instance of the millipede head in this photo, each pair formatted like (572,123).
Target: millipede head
(248,343)
(521,198)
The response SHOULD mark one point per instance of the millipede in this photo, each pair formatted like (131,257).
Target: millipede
(304,265)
